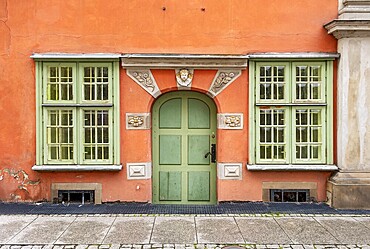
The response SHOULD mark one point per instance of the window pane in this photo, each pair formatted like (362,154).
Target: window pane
(272,134)
(59,83)
(96,82)
(272,82)
(308,82)
(96,132)
(60,135)
(308,129)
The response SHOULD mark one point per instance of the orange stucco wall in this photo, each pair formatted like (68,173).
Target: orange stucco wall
(145,26)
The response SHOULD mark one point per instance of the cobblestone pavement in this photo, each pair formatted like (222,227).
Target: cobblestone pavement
(186,246)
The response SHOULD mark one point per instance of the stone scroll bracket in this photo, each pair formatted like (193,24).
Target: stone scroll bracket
(137,121)
(229,171)
(145,79)
(222,79)
(230,121)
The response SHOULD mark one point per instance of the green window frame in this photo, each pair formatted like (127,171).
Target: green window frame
(291,112)
(77,112)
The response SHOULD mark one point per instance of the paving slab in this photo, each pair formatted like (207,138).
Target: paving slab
(43,230)
(260,230)
(218,230)
(346,229)
(171,230)
(11,225)
(130,230)
(364,221)
(305,230)
(87,230)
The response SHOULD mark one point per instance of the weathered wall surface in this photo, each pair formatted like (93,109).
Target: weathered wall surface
(143,26)
(354,105)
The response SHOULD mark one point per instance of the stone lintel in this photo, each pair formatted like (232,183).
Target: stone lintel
(341,28)
(176,61)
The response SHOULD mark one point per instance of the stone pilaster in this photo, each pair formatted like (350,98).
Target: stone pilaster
(350,187)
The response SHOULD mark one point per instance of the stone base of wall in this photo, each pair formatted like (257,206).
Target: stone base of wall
(349,191)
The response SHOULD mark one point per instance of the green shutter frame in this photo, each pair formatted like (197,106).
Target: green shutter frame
(44,105)
(291,104)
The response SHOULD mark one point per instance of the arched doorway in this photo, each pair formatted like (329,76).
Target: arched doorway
(184,148)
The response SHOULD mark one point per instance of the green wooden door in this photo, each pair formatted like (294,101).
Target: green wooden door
(184,127)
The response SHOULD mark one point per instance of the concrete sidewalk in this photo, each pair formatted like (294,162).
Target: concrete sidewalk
(184,231)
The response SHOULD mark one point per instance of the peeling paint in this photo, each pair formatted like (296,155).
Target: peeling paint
(21,177)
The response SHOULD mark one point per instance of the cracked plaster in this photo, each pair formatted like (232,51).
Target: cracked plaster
(21,180)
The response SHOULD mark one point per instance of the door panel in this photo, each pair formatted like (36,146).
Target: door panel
(170,149)
(184,127)
(170,186)
(198,186)
(198,114)
(198,146)
(170,114)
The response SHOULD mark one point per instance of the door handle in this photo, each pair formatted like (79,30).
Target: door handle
(212,153)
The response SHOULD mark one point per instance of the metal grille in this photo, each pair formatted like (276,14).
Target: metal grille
(76,196)
(289,195)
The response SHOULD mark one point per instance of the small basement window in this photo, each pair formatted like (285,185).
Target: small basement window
(76,196)
(290,195)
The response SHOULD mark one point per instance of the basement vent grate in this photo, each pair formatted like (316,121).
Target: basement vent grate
(289,195)
(76,196)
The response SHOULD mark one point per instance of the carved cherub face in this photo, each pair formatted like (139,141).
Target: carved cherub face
(184,73)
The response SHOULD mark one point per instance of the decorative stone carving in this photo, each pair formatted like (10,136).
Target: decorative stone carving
(230,121)
(222,79)
(137,121)
(138,171)
(146,80)
(229,171)
(184,78)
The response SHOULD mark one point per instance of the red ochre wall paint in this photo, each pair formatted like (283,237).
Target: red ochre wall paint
(145,26)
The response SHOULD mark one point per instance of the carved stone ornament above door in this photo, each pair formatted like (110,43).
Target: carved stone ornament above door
(145,79)
(184,78)
(222,79)
(229,68)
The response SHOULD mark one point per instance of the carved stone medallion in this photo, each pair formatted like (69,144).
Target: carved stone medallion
(184,77)
(230,121)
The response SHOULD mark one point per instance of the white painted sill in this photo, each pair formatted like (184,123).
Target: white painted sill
(110,167)
(292,167)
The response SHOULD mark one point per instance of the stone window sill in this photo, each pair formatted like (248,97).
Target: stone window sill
(291,167)
(110,167)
